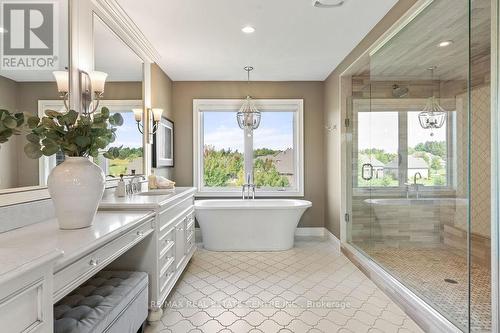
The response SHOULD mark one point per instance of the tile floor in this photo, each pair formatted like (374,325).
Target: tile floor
(311,288)
(425,270)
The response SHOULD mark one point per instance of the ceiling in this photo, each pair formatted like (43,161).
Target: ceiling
(201,40)
(410,53)
(113,56)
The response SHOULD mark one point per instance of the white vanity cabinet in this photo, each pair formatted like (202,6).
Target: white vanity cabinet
(26,297)
(40,264)
(167,253)
(175,245)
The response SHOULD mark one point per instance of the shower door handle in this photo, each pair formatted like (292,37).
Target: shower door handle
(364,167)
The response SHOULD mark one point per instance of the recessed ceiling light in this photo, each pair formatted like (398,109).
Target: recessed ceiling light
(248,29)
(445,43)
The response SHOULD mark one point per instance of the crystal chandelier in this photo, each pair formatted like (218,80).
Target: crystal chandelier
(248,117)
(433,115)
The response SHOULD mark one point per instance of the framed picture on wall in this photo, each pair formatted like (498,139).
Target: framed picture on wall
(163,144)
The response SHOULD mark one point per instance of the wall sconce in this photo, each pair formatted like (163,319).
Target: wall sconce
(62,80)
(92,89)
(157,113)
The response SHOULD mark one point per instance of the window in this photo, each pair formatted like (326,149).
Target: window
(378,145)
(393,149)
(222,151)
(427,154)
(128,137)
(225,156)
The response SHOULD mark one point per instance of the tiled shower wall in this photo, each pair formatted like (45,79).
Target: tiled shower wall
(401,225)
(480,160)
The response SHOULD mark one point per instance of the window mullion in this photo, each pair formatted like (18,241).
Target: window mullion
(248,154)
(403,147)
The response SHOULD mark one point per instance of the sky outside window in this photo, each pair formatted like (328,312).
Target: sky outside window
(275,132)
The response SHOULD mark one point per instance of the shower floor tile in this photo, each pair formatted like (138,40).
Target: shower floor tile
(310,288)
(425,270)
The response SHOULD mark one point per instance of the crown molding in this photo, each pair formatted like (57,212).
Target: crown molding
(129,30)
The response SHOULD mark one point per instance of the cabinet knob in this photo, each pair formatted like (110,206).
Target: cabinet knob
(93,262)
(140,233)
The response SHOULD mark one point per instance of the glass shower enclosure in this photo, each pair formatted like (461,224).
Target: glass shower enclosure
(419,156)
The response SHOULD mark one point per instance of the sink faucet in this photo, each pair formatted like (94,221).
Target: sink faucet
(249,186)
(133,185)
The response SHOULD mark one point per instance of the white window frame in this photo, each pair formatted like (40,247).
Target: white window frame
(233,105)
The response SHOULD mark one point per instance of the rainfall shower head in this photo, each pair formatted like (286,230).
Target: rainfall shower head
(328,3)
(399,92)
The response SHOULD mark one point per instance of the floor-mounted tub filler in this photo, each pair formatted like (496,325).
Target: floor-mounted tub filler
(249,225)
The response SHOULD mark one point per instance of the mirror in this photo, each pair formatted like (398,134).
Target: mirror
(122,93)
(121,73)
(27,78)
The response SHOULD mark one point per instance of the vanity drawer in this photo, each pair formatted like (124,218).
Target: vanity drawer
(190,243)
(167,260)
(167,272)
(166,216)
(166,236)
(170,231)
(78,272)
(190,223)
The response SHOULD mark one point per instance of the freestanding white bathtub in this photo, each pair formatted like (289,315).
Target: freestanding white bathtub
(249,225)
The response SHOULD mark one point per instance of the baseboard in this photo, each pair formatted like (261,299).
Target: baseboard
(332,238)
(422,313)
(318,232)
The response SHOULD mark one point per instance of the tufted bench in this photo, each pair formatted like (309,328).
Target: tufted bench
(109,302)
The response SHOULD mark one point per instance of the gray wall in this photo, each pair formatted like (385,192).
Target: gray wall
(161,97)
(311,92)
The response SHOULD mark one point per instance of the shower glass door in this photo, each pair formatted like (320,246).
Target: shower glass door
(418,152)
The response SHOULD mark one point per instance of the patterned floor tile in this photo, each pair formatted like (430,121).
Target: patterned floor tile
(425,272)
(310,288)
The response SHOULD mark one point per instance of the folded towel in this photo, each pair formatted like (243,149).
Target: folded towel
(164,183)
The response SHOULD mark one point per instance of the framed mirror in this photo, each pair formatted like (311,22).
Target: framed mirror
(123,92)
(121,71)
(28,71)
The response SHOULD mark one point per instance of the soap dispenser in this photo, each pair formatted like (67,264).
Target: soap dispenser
(120,188)
(152,180)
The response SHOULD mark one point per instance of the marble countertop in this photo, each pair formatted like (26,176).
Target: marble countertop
(24,247)
(137,201)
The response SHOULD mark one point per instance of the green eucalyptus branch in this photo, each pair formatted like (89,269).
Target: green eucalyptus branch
(73,133)
(10,124)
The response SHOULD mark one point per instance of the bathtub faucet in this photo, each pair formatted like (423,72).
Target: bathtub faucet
(415,181)
(249,187)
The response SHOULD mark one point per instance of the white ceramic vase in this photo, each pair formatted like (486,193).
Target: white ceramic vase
(76,186)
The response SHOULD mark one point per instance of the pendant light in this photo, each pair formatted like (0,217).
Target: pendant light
(248,117)
(433,115)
